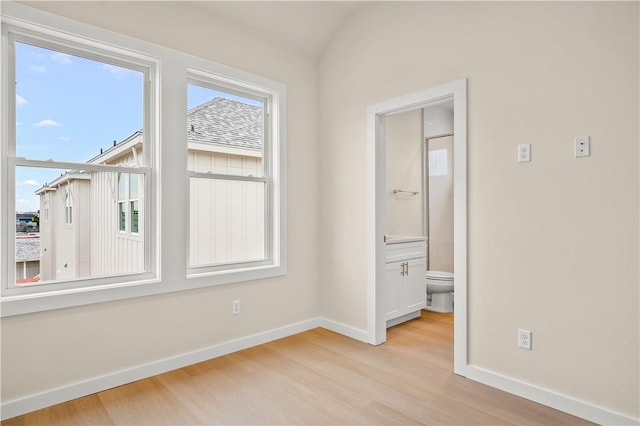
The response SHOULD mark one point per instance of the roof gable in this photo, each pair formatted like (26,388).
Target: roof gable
(226,122)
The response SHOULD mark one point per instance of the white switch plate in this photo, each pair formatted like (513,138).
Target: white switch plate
(235,307)
(524,339)
(582,146)
(524,152)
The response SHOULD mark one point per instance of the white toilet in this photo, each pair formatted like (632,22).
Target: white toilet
(439,291)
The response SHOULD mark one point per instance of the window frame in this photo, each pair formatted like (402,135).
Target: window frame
(19,31)
(214,82)
(169,271)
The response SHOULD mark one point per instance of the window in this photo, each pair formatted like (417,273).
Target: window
(68,206)
(128,203)
(122,214)
(81,141)
(79,131)
(227,142)
(45,208)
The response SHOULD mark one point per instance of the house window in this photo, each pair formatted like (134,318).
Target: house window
(68,206)
(80,108)
(134,204)
(230,143)
(128,203)
(78,134)
(45,202)
(122,203)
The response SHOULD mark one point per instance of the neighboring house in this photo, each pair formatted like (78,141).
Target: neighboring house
(227,217)
(27,258)
(92,223)
(26,217)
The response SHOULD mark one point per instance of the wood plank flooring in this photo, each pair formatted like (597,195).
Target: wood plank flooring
(316,377)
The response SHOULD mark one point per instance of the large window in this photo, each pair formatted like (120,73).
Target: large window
(153,171)
(79,128)
(227,142)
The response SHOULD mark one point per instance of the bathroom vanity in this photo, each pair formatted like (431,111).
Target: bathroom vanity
(404,290)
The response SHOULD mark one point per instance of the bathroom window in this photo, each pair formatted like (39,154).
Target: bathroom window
(438,162)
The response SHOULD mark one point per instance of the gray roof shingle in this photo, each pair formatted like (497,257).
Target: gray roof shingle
(226,122)
(27,249)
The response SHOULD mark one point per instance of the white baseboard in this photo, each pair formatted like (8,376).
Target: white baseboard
(51,397)
(549,398)
(345,330)
(403,318)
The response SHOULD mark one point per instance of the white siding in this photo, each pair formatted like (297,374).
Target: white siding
(47,259)
(113,251)
(226,217)
(27,269)
(70,242)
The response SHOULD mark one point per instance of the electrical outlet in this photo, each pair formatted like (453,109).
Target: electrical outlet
(235,307)
(524,339)
(524,152)
(582,146)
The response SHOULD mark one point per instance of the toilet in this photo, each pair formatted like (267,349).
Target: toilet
(439,291)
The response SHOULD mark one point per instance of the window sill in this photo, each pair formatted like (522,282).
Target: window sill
(47,300)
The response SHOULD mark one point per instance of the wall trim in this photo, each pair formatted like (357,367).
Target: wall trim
(66,393)
(549,398)
(345,330)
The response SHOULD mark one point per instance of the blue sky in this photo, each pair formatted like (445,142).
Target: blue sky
(68,108)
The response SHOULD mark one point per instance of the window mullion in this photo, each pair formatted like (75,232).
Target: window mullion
(51,164)
(218,176)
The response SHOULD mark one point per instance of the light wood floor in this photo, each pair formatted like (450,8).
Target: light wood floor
(316,377)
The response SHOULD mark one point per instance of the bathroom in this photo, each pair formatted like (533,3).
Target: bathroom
(420,213)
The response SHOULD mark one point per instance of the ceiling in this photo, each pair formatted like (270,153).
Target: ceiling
(306,27)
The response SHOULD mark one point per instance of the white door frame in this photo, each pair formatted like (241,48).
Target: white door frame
(376,208)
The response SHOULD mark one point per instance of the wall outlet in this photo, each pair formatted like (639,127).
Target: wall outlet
(235,307)
(524,339)
(524,152)
(582,146)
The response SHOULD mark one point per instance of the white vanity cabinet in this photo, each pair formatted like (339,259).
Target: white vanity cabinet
(405,288)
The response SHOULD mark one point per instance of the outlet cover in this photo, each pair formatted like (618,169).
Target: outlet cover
(524,339)
(524,152)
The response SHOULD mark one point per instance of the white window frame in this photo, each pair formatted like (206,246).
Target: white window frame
(166,174)
(269,140)
(17,298)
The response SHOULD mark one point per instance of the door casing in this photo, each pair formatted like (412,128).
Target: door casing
(376,208)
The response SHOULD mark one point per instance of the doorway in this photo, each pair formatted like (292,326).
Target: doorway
(377,207)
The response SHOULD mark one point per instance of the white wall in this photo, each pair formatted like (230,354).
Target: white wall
(46,350)
(553,244)
(438,119)
(404,171)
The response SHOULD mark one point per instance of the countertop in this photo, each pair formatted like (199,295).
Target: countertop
(397,239)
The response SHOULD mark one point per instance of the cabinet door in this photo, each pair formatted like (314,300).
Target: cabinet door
(413,287)
(391,291)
